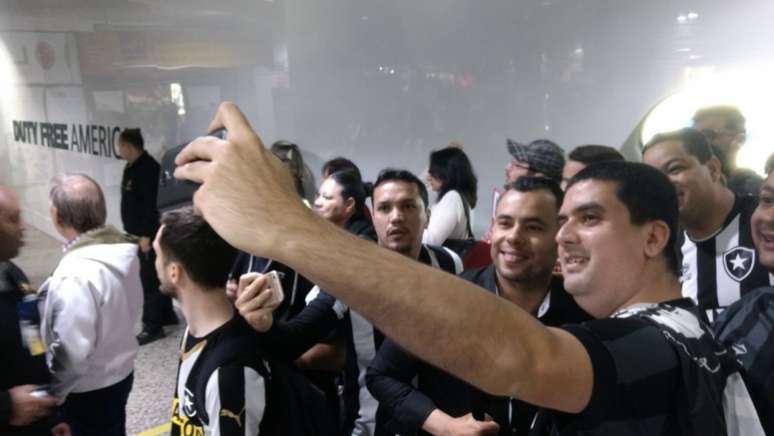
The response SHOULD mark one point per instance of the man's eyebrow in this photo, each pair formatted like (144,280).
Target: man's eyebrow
(586,207)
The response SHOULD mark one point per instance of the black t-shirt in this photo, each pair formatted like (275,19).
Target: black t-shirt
(636,374)
(235,392)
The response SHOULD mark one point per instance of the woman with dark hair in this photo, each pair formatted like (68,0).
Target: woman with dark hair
(339,164)
(341,200)
(451,176)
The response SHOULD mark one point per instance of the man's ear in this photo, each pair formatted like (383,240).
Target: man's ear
(657,237)
(715,168)
(176,272)
(54,213)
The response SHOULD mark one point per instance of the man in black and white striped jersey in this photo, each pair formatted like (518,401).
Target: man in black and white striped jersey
(719,261)
(399,217)
(221,380)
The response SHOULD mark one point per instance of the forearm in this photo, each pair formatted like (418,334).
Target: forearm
(396,297)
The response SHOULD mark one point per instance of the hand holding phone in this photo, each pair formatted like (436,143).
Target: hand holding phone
(257,297)
(174,193)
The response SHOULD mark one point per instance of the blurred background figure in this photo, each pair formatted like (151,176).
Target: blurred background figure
(541,157)
(140,216)
(339,164)
(290,153)
(724,127)
(452,178)
(584,155)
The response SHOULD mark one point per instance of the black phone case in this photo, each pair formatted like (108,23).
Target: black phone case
(174,193)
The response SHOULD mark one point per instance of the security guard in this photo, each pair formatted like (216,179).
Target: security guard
(24,405)
(140,216)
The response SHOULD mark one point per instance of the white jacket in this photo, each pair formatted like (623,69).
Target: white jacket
(93,301)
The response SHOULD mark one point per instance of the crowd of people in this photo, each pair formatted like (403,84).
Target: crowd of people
(611,298)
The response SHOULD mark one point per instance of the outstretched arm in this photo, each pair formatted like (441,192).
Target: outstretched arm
(436,316)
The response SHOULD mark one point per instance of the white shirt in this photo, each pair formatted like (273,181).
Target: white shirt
(447,220)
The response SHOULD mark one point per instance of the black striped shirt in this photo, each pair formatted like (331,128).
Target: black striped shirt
(658,371)
(235,392)
(718,270)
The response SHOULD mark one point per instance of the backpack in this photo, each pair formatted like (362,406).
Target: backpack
(294,406)
(747,328)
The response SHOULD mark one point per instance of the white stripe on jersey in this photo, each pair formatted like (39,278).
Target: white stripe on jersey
(339,308)
(689,275)
(729,290)
(187,363)
(255,401)
(212,403)
(254,406)
(458,267)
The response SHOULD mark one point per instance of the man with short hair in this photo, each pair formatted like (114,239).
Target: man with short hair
(140,216)
(540,157)
(762,223)
(93,301)
(22,362)
(584,155)
(636,370)
(400,216)
(523,254)
(724,127)
(746,325)
(719,263)
(222,379)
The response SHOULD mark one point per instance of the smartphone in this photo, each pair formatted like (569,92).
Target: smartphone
(41,391)
(174,193)
(276,287)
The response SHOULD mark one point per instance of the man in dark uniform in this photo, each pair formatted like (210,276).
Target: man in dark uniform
(22,362)
(140,216)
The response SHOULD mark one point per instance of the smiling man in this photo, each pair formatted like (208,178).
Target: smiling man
(523,254)
(719,261)
(763,224)
(634,373)
(746,325)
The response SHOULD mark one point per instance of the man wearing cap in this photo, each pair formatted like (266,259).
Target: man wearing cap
(540,157)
